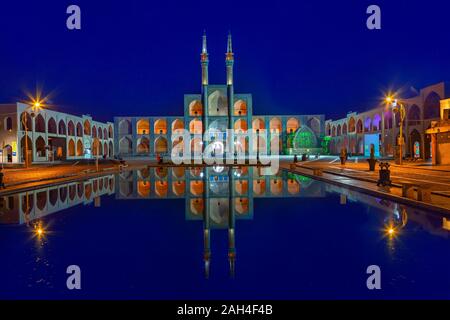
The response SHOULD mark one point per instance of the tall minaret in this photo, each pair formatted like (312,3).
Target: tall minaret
(204,61)
(229,59)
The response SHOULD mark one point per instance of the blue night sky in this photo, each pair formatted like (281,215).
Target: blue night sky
(140,57)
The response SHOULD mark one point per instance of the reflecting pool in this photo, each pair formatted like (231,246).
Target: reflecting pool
(217,233)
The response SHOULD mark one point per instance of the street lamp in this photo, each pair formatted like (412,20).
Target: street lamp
(35,107)
(399,108)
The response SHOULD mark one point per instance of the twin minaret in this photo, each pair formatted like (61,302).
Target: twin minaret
(229,60)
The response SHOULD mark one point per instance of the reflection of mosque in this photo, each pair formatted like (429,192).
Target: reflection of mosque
(215,195)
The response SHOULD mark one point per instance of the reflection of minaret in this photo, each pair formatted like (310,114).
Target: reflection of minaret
(231,225)
(229,61)
(206,225)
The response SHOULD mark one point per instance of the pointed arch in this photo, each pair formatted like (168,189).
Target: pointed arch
(161,145)
(292,125)
(178,187)
(79,148)
(432,106)
(71,128)
(124,127)
(161,188)
(40,147)
(125,146)
(177,126)
(305,138)
(314,124)
(25,116)
(79,130)
(110,132)
(195,126)
(195,108)
(241,205)
(240,125)
(39,123)
(240,108)
(217,104)
(62,127)
(111,149)
(87,127)
(351,125)
(413,115)
(51,126)
(143,188)
(258,124)
(143,126)
(71,147)
(160,126)
(275,125)
(143,146)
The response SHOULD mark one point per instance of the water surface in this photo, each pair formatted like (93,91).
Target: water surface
(146,235)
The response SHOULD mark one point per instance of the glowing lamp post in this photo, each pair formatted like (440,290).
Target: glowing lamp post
(35,108)
(398,108)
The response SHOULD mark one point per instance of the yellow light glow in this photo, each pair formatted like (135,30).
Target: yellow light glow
(39,232)
(390,231)
(389,99)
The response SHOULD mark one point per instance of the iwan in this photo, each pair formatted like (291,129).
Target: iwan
(194,310)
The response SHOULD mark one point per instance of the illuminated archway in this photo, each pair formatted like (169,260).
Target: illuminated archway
(258,124)
(79,148)
(143,146)
(195,126)
(217,104)
(240,108)
(177,126)
(161,145)
(195,108)
(161,188)
(275,125)
(305,138)
(71,148)
(87,128)
(143,126)
(292,125)
(178,187)
(160,126)
(240,125)
(143,188)
(351,125)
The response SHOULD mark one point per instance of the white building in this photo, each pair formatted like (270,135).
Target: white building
(52,135)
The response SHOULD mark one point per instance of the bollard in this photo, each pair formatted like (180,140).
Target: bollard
(384,175)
